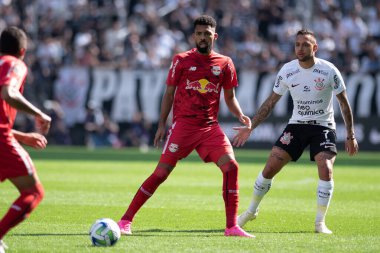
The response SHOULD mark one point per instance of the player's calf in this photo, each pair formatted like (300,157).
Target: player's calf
(21,208)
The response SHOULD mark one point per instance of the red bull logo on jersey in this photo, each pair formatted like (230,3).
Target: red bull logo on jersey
(202,86)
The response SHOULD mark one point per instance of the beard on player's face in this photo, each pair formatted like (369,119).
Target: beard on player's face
(204,47)
(305,58)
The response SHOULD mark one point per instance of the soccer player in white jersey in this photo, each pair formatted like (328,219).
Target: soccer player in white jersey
(311,82)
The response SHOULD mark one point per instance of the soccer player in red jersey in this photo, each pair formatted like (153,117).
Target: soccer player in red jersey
(15,163)
(194,85)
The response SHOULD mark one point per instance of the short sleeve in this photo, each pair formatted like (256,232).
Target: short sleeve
(280,86)
(11,73)
(337,81)
(174,73)
(230,80)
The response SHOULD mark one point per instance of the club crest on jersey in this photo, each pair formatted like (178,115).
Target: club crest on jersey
(173,147)
(319,85)
(286,138)
(202,86)
(215,70)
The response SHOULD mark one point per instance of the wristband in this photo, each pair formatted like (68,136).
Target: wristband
(351,138)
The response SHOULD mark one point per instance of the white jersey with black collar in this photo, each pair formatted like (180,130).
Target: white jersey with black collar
(312,91)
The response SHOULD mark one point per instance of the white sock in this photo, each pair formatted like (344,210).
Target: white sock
(324,195)
(261,187)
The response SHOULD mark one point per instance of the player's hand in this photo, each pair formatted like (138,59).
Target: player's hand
(243,133)
(246,121)
(159,137)
(43,123)
(352,146)
(35,140)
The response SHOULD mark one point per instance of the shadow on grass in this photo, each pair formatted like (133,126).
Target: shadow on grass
(164,232)
(50,234)
(153,232)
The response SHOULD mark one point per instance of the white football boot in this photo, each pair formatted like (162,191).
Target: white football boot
(320,227)
(3,246)
(247,216)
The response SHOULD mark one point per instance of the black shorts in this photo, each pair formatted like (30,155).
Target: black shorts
(296,137)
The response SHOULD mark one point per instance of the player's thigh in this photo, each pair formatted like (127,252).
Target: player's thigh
(277,159)
(323,140)
(24,182)
(15,161)
(180,142)
(293,140)
(214,146)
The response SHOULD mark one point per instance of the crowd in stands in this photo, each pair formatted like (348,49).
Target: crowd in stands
(145,34)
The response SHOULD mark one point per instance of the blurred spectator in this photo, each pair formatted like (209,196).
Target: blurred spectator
(138,133)
(143,34)
(101,131)
(59,133)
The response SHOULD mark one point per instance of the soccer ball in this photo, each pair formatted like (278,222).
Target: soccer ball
(104,232)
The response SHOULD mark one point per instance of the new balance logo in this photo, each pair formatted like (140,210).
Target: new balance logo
(192,68)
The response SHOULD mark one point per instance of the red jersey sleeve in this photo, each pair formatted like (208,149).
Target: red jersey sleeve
(230,79)
(174,73)
(12,72)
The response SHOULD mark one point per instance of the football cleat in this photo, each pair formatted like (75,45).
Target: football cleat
(125,227)
(3,246)
(320,227)
(246,216)
(237,231)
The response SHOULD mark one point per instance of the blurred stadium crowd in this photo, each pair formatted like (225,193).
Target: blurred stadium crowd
(144,34)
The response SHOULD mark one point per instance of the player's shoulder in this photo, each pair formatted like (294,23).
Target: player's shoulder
(291,64)
(9,60)
(325,64)
(290,67)
(185,54)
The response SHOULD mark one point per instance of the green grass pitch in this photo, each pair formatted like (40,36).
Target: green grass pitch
(186,214)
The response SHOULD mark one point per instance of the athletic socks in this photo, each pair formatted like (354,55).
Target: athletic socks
(145,192)
(230,192)
(261,187)
(21,208)
(324,195)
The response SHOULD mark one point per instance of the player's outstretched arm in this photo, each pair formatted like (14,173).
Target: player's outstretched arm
(263,113)
(35,140)
(351,143)
(234,107)
(166,106)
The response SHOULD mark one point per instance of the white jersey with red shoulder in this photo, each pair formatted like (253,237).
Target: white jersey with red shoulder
(312,91)
(199,80)
(13,72)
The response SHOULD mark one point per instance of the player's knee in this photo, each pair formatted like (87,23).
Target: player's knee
(39,192)
(231,165)
(35,193)
(162,172)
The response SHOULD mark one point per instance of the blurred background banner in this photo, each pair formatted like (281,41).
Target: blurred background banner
(98,67)
(124,94)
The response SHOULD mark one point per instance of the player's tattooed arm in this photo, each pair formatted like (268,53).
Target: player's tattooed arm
(346,113)
(265,109)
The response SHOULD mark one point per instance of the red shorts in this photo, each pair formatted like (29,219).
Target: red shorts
(14,160)
(210,142)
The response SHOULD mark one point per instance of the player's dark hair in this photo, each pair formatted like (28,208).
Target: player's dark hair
(306,32)
(205,20)
(12,40)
